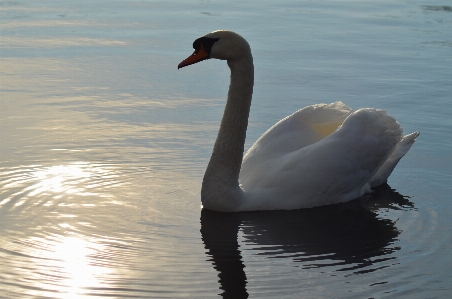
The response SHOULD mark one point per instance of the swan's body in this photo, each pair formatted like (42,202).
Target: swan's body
(320,155)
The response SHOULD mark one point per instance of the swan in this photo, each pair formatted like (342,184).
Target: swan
(320,155)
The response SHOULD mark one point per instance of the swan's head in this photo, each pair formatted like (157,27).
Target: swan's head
(221,44)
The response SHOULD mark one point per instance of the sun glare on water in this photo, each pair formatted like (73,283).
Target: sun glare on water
(58,184)
(73,256)
(57,201)
(53,178)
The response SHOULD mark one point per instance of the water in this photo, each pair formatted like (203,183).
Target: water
(103,145)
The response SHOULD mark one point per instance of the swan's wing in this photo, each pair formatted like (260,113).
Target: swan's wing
(304,127)
(386,169)
(334,169)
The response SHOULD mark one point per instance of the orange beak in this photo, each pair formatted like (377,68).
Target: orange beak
(194,58)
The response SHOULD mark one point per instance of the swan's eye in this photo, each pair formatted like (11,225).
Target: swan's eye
(202,46)
(197,45)
(206,42)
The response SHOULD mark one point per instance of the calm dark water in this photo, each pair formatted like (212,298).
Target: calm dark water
(103,146)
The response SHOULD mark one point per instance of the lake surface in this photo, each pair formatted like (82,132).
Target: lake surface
(104,143)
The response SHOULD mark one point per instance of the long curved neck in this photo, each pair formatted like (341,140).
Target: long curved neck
(220,189)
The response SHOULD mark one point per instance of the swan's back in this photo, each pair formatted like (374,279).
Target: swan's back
(333,169)
(302,128)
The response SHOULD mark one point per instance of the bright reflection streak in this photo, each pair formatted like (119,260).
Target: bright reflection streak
(83,179)
(73,258)
(54,178)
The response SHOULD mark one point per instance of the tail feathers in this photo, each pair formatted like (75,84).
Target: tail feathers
(386,169)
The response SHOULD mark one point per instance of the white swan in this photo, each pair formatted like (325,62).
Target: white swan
(320,155)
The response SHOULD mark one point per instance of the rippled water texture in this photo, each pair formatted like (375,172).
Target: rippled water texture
(103,146)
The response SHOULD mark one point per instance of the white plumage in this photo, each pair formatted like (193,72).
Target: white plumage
(320,155)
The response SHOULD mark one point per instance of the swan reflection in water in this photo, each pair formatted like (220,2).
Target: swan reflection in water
(350,236)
